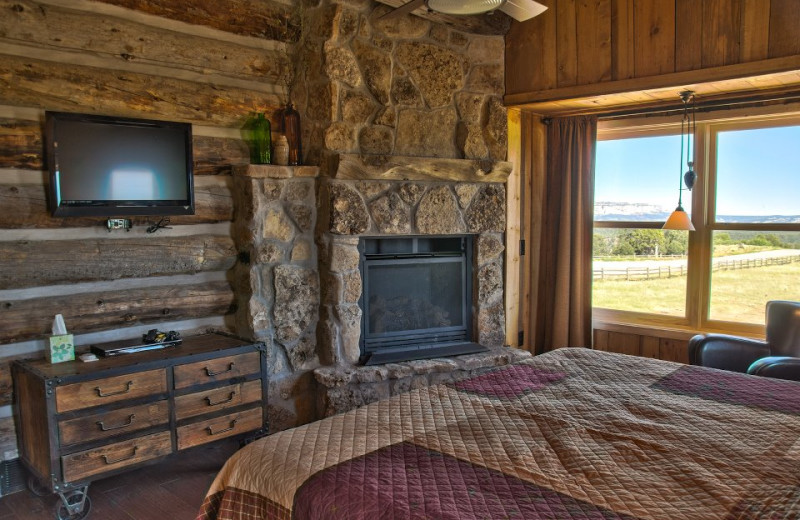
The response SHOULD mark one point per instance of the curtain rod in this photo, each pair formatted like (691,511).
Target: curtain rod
(699,107)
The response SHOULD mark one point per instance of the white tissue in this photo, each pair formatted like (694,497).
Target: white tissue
(58,326)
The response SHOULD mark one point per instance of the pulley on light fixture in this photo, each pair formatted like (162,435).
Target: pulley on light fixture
(679,219)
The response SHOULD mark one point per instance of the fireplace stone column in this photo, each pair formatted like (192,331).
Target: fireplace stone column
(277,281)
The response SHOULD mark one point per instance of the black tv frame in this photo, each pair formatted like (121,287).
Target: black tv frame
(116,208)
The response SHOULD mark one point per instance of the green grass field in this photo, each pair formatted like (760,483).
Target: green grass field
(737,296)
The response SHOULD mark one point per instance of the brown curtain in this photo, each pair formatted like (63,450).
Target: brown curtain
(563,315)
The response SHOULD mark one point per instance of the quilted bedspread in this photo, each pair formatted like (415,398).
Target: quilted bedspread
(572,434)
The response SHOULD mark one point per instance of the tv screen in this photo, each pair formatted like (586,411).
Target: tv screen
(114,166)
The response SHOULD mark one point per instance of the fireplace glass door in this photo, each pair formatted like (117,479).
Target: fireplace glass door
(416,297)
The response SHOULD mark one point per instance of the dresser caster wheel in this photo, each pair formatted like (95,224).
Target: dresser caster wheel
(74,505)
(35,486)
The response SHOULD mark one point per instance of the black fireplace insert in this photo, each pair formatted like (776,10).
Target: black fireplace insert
(416,298)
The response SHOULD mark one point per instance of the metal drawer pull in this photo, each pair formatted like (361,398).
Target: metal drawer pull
(212,432)
(100,393)
(105,428)
(209,373)
(221,401)
(122,459)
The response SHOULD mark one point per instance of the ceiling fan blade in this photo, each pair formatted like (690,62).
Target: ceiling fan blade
(522,10)
(406,8)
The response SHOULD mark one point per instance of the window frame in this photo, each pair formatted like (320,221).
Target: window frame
(699,257)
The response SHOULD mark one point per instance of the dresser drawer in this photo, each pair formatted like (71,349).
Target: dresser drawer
(218,369)
(219,428)
(221,398)
(110,390)
(84,464)
(107,424)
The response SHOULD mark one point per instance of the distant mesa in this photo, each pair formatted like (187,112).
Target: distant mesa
(629,211)
(633,212)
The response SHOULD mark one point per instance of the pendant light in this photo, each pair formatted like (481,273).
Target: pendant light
(679,219)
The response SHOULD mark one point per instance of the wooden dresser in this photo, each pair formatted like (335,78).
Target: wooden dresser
(78,421)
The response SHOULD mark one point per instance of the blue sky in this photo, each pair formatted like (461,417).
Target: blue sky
(759,172)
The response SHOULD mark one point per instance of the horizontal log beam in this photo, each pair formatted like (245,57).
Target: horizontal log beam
(7,384)
(31,264)
(125,43)
(56,86)
(8,434)
(262,19)
(88,312)
(25,207)
(395,167)
(217,155)
(22,148)
(21,144)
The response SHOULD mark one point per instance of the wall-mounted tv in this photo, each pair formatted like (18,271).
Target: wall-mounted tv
(116,167)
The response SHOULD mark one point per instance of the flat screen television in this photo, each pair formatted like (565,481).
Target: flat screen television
(116,167)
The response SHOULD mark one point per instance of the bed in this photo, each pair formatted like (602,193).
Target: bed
(571,434)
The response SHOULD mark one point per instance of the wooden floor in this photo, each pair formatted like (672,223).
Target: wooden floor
(170,490)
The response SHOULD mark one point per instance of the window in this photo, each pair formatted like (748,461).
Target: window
(745,207)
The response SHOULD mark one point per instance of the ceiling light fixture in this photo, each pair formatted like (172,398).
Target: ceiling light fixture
(459,7)
(679,219)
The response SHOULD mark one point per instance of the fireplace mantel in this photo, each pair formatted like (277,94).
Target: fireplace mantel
(404,168)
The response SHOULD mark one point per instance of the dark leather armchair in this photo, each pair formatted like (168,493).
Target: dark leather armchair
(778,356)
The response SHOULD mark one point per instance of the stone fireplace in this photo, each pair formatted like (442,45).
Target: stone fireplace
(301,291)
(422,202)
(405,119)
(408,199)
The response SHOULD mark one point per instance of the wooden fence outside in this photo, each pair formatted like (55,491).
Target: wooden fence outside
(668,271)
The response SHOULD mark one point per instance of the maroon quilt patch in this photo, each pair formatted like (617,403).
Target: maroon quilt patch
(509,382)
(406,481)
(734,388)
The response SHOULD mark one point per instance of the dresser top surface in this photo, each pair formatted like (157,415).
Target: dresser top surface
(192,348)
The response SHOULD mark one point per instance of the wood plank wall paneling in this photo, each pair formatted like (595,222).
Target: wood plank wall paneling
(622,40)
(566,43)
(784,26)
(533,45)
(688,35)
(593,22)
(648,39)
(206,62)
(667,349)
(720,34)
(654,34)
(755,30)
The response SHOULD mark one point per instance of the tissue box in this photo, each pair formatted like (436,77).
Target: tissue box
(62,348)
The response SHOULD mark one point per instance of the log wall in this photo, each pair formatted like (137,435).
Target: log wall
(206,62)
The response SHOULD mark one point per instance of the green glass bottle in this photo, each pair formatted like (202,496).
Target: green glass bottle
(259,138)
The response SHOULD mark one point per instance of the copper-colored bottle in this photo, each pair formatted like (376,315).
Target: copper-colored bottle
(291,127)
